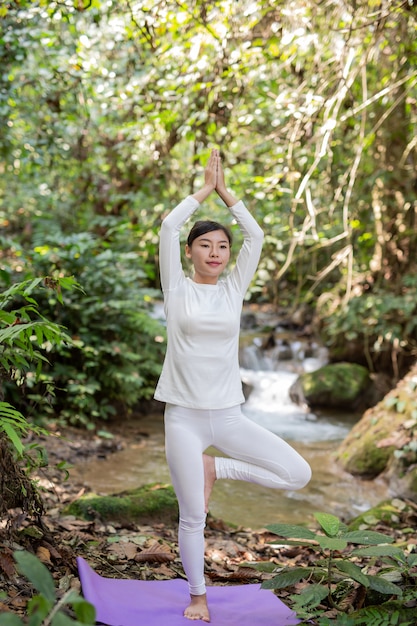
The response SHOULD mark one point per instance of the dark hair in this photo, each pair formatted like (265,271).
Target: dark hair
(206,226)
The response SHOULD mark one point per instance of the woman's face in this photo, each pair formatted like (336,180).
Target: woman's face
(210,254)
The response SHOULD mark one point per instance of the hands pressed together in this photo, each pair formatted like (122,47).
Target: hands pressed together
(214,180)
(213,174)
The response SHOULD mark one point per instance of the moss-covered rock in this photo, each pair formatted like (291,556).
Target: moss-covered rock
(384,441)
(337,385)
(389,512)
(359,453)
(148,504)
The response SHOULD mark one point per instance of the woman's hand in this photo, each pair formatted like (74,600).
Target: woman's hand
(214,179)
(221,188)
(220,183)
(210,177)
(211,171)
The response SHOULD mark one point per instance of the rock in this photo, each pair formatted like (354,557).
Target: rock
(384,441)
(402,481)
(337,385)
(389,512)
(148,504)
(248,321)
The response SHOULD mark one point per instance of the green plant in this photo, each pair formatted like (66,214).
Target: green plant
(26,338)
(23,328)
(384,323)
(116,349)
(337,582)
(45,609)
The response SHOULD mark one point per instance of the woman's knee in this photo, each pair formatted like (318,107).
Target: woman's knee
(193,525)
(303,475)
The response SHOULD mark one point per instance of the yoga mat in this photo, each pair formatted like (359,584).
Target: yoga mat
(121,602)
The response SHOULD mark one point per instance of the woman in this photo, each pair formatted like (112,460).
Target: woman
(200,379)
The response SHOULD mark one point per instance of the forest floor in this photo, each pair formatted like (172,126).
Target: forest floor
(134,551)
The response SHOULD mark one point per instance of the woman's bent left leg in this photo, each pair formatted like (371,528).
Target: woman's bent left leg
(256,454)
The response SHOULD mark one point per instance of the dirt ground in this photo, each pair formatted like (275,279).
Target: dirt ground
(134,552)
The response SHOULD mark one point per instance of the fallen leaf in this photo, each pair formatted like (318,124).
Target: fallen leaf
(156,553)
(124,550)
(7,563)
(44,555)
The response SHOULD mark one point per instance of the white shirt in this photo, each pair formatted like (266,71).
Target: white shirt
(201,367)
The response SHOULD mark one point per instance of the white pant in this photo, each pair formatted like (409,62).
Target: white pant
(256,456)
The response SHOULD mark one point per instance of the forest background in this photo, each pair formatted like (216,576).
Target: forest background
(108,113)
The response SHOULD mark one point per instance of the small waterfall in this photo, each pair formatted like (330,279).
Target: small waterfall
(269,372)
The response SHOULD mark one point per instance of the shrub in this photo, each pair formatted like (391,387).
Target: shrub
(115,352)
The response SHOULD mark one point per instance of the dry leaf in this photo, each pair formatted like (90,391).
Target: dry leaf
(54,552)
(245,573)
(7,564)
(124,550)
(163,572)
(156,553)
(44,555)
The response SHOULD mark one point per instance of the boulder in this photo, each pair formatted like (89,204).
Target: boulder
(336,385)
(384,441)
(148,504)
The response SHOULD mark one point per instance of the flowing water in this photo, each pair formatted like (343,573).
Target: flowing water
(314,435)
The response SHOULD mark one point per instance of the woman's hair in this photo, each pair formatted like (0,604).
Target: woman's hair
(206,226)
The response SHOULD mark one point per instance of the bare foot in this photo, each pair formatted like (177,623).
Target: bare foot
(209,478)
(198,609)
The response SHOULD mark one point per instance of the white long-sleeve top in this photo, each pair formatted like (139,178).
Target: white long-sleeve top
(201,366)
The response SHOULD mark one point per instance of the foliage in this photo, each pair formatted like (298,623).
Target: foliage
(45,608)
(383,323)
(337,582)
(26,336)
(109,110)
(115,354)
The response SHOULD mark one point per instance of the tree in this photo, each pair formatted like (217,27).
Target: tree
(312,103)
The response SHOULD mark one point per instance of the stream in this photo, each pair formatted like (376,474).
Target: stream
(314,435)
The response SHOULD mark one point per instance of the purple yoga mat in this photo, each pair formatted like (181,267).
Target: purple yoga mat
(120,602)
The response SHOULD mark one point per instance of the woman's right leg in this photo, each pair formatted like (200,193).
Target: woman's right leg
(186,437)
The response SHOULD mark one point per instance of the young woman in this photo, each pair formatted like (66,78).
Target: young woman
(200,380)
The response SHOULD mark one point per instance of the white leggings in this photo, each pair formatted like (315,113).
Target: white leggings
(257,456)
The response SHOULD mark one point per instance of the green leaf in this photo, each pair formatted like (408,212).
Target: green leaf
(38,608)
(332,543)
(287,578)
(290,530)
(367,537)
(10,619)
(36,573)
(352,570)
(12,435)
(312,595)
(61,619)
(329,523)
(85,612)
(377,583)
(261,566)
(381,551)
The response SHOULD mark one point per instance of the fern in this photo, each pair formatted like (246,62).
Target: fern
(389,614)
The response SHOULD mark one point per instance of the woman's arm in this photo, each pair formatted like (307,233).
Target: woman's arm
(170,266)
(249,254)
